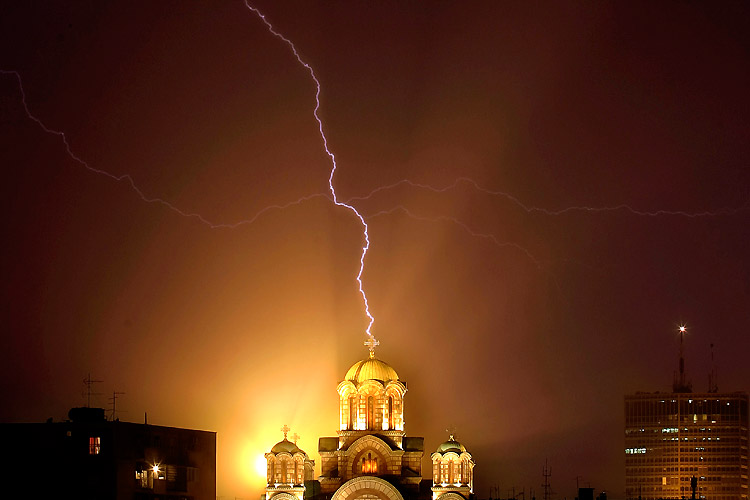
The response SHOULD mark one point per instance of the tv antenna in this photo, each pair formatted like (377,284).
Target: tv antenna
(546,473)
(113,400)
(89,382)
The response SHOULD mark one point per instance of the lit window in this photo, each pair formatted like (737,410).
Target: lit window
(370,465)
(95,445)
(145,475)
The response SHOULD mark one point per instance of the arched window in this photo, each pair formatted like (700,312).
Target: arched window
(282,472)
(370,464)
(289,473)
(390,412)
(370,412)
(352,413)
(450,472)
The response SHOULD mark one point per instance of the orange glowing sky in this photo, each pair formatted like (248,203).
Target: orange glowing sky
(520,327)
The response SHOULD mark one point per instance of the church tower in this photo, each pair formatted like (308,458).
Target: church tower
(370,457)
(371,451)
(288,467)
(452,472)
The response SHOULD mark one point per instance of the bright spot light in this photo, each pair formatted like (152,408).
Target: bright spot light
(260,465)
(683,329)
(155,468)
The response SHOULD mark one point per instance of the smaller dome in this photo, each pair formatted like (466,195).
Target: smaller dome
(371,369)
(287,446)
(451,445)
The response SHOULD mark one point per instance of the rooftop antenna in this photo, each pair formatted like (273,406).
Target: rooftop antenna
(679,384)
(712,386)
(113,400)
(546,473)
(495,491)
(89,382)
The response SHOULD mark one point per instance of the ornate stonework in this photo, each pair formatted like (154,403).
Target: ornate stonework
(371,438)
(452,471)
(288,468)
(371,457)
(367,487)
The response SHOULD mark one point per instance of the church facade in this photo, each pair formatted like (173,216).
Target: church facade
(371,457)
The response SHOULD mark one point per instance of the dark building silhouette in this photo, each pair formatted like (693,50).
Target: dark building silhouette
(89,457)
(585,494)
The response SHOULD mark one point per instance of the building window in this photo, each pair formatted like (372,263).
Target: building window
(390,412)
(144,477)
(370,413)
(282,477)
(370,465)
(95,445)
(352,413)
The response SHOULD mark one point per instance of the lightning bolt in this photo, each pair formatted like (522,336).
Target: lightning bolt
(348,204)
(365,229)
(531,209)
(128,179)
(445,218)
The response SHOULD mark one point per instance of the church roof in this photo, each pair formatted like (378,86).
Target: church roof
(285,445)
(451,445)
(371,369)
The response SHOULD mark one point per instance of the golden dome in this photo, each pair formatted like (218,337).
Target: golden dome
(451,445)
(285,446)
(371,369)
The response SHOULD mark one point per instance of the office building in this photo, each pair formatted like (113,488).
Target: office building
(680,441)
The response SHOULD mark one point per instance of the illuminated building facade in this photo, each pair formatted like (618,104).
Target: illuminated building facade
(91,457)
(288,470)
(371,457)
(672,437)
(452,471)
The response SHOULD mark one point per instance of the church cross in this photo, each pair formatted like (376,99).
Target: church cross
(285,430)
(295,437)
(451,432)
(371,343)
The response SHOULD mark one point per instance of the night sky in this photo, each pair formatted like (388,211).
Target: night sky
(550,189)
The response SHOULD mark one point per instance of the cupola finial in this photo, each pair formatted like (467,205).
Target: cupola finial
(371,343)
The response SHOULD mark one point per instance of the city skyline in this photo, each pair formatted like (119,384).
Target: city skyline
(551,191)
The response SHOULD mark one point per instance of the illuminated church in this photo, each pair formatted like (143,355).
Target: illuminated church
(371,457)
